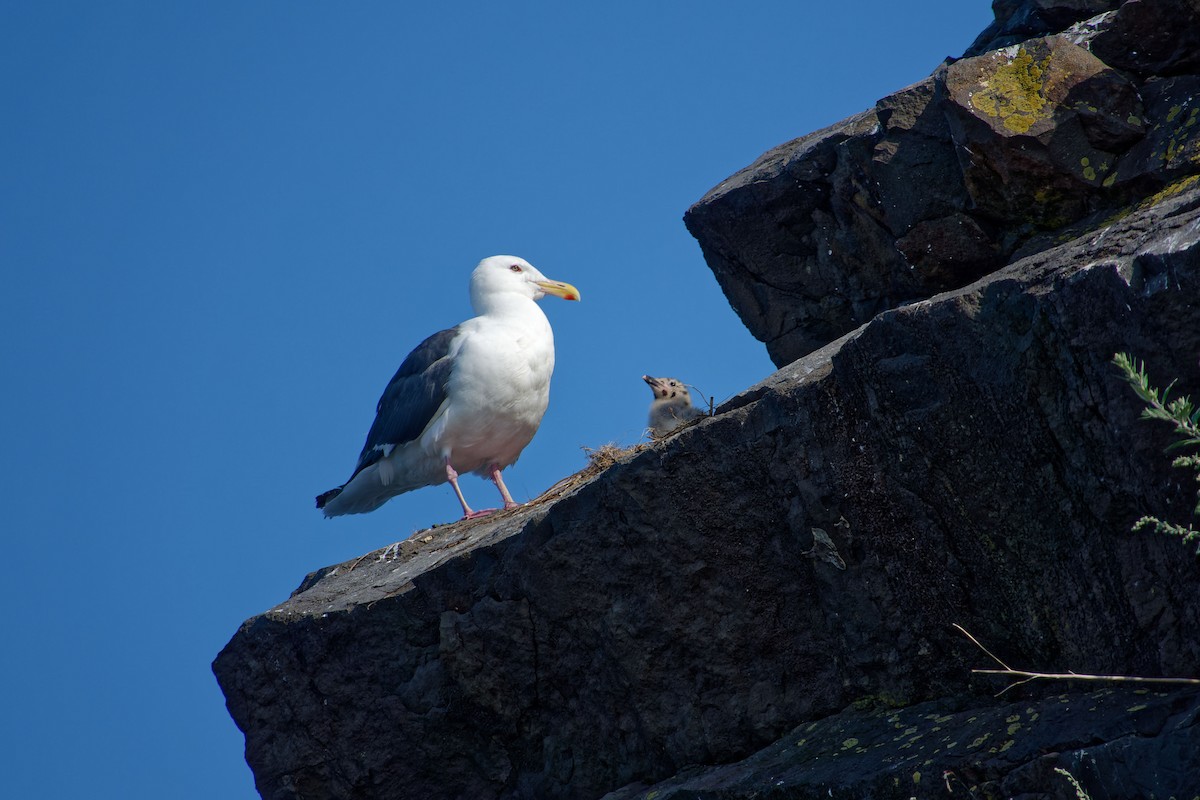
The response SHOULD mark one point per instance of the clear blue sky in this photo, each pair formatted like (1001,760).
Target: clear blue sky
(223,225)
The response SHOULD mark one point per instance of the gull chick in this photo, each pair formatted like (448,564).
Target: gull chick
(671,407)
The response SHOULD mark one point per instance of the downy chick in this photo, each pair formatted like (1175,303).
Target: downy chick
(672,405)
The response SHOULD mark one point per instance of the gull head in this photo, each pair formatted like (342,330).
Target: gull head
(500,276)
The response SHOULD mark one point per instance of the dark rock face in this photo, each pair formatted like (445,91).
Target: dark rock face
(974,459)
(1152,37)
(941,749)
(943,182)
(762,605)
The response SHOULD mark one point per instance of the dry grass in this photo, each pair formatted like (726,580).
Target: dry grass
(599,459)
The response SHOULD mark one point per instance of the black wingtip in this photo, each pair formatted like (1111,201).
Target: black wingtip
(324,498)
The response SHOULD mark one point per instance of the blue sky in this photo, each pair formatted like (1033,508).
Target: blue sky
(223,225)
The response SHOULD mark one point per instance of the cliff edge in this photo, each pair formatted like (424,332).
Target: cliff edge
(763,605)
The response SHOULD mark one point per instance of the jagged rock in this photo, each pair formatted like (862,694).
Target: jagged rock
(941,749)
(1018,20)
(955,176)
(1029,121)
(1171,149)
(1152,38)
(974,458)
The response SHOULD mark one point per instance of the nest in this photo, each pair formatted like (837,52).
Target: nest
(599,459)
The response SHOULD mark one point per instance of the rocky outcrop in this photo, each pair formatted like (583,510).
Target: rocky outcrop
(762,604)
(991,158)
(971,459)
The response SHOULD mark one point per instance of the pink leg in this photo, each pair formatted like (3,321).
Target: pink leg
(452,474)
(496,479)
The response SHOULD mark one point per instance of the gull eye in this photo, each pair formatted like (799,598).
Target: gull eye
(515,267)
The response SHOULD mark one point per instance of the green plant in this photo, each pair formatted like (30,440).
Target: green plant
(1080,794)
(1185,417)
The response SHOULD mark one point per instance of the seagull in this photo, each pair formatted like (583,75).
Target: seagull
(671,407)
(467,399)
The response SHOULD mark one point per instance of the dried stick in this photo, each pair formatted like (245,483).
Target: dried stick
(1027,676)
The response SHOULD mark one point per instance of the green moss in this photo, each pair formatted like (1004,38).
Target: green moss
(1013,93)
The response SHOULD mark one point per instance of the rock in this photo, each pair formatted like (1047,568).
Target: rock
(973,458)
(1018,20)
(947,180)
(1170,150)
(804,241)
(1152,38)
(941,749)
(1028,122)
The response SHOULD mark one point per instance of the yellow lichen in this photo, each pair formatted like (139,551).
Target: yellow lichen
(851,742)
(1169,191)
(1014,92)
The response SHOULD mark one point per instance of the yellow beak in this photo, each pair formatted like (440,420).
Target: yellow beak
(559,289)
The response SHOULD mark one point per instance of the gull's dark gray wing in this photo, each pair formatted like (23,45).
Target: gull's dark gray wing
(413,396)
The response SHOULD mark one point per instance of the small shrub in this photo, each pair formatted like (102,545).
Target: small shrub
(1185,418)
